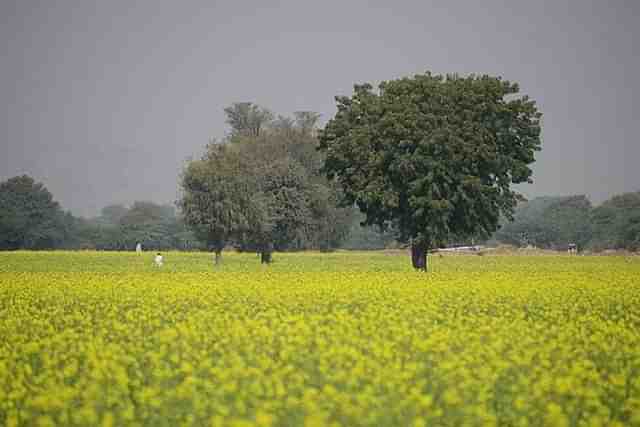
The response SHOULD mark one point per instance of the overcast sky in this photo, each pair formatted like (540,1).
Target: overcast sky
(104,100)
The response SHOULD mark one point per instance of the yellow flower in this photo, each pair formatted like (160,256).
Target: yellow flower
(264,419)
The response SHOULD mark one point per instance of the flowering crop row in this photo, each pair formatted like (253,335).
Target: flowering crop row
(507,346)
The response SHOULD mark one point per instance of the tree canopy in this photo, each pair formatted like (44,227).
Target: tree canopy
(432,154)
(247,119)
(261,188)
(616,223)
(29,217)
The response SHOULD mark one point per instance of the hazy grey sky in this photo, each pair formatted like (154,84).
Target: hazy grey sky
(104,100)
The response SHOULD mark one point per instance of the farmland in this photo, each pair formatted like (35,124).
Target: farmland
(342,339)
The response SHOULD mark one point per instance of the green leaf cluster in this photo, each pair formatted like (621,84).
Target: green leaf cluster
(263,190)
(433,155)
(29,216)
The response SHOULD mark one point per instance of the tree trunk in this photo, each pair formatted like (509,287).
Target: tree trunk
(419,257)
(218,257)
(265,255)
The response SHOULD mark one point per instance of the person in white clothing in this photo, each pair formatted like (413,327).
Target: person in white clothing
(159,260)
(139,248)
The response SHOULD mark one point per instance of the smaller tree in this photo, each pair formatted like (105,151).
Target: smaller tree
(216,196)
(261,188)
(280,196)
(29,217)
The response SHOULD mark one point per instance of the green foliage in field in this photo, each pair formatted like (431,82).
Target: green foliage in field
(106,339)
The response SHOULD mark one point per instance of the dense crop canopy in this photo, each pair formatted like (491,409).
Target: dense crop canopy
(491,340)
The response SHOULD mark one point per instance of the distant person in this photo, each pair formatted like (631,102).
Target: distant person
(159,260)
(139,248)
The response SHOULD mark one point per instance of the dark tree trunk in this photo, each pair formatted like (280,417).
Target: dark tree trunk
(216,244)
(419,257)
(265,255)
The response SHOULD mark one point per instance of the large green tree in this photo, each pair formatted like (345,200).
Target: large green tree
(434,155)
(29,216)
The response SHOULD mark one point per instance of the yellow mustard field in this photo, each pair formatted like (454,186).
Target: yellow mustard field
(343,339)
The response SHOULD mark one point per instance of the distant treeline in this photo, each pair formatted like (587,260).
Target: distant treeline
(31,219)
(263,188)
(555,222)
